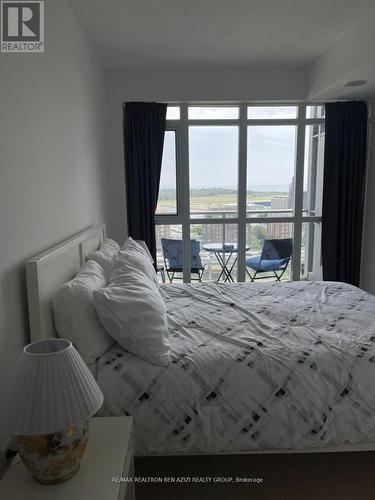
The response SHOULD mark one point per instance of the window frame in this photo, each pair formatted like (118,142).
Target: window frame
(183,216)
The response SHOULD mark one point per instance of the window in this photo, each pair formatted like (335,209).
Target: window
(235,175)
(310,251)
(209,237)
(315,111)
(271,157)
(173,113)
(313,170)
(256,234)
(213,160)
(213,113)
(271,112)
(165,231)
(167,201)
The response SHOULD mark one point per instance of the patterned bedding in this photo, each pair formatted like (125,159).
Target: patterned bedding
(254,366)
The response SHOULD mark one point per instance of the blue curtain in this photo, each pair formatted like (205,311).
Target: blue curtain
(343,191)
(144,127)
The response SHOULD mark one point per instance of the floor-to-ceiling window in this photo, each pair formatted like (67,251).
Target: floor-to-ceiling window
(235,175)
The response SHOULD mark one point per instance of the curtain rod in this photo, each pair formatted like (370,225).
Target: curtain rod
(258,102)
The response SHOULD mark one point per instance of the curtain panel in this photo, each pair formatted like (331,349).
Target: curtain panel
(343,191)
(143,127)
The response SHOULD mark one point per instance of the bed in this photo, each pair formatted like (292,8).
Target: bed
(255,367)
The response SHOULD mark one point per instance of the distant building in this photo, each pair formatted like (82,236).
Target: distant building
(162,232)
(291,194)
(279,202)
(280,230)
(216,233)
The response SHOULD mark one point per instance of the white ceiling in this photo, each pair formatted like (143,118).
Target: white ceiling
(216,33)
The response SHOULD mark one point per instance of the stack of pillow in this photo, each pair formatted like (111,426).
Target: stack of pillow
(115,297)
(104,256)
(75,316)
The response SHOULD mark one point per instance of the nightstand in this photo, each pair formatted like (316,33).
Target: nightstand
(109,455)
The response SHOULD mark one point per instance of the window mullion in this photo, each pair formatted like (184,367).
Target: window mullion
(185,193)
(242,194)
(298,193)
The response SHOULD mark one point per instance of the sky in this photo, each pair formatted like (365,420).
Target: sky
(213,157)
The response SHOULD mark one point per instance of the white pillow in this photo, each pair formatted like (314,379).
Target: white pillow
(133,311)
(75,316)
(104,255)
(135,257)
(138,246)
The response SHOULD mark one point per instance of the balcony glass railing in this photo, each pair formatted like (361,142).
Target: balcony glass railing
(218,246)
(232,214)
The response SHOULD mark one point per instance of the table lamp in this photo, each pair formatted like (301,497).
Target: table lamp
(50,396)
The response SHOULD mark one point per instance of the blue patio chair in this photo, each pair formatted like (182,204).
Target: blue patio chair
(275,258)
(173,260)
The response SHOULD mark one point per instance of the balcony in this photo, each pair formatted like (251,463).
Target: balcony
(214,235)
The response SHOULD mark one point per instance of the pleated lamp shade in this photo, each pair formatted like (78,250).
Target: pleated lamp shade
(49,390)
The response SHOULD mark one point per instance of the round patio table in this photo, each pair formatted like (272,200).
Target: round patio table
(223,253)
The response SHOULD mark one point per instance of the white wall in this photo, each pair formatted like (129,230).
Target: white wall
(351,57)
(167,85)
(368,251)
(53,122)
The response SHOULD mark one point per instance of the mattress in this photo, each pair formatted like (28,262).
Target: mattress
(254,366)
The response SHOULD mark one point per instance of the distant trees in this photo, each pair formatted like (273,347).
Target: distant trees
(204,192)
(196,230)
(256,235)
(170,194)
(167,194)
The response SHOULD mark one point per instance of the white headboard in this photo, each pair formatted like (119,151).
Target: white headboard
(47,271)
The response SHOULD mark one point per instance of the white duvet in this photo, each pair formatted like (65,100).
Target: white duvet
(254,366)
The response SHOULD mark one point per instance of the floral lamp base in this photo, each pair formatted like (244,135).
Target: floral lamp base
(53,458)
